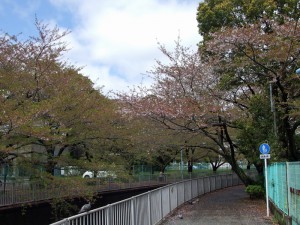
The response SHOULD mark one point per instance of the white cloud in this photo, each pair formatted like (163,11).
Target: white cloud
(116,40)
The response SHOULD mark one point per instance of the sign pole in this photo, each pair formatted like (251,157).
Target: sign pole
(264,150)
(267,194)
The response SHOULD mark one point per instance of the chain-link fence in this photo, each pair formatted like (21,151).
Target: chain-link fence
(284,188)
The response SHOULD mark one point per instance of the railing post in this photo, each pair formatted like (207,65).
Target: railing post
(183,191)
(169,199)
(197,186)
(161,204)
(108,215)
(133,203)
(149,210)
(12,194)
(67,222)
(215,182)
(191,190)
(221,177)
(177,196)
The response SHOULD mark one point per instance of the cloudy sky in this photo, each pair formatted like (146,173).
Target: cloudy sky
(114,40)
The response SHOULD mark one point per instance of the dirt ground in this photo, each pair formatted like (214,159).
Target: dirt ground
(229,206)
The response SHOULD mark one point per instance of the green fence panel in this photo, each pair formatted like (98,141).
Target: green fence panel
(293,180)
(284,188)
(277,186)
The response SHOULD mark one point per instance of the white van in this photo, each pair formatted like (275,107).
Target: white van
(100,174)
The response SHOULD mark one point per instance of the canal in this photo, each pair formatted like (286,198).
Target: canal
(46,212)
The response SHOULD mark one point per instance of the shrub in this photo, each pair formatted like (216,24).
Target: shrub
(255,191)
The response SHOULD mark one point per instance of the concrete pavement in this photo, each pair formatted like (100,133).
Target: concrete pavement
(229,206)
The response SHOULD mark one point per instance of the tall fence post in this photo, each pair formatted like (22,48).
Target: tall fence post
(288,188)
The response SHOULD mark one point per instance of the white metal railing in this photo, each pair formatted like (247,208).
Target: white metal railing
(25,191)
(151,207)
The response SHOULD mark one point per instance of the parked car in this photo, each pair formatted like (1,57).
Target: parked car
(100,174)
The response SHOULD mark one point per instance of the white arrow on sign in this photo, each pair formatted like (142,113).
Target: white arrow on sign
(264,156)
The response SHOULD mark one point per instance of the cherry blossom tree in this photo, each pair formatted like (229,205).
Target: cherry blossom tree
(240,89)
(184,100)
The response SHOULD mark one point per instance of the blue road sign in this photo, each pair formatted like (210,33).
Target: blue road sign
(264,148)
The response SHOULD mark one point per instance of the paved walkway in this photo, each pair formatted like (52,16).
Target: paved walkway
(229,206)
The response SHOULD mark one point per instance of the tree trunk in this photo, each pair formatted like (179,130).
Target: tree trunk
(190,167)
(214,168)
(242,175)
(248,165)
(239,171)
(50,164)
(259,168)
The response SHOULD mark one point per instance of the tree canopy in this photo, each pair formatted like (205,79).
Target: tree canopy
(255,63)
(213,15)
(46,102)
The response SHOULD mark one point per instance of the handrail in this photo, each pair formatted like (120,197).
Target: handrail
(25,192)
(151,207)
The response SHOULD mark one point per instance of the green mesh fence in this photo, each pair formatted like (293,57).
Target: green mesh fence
(277,184)
(293,178)
(284,188)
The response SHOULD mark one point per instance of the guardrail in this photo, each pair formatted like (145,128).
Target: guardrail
(151,207)
(23,192)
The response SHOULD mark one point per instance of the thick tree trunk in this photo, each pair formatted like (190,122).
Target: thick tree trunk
(190,167)
(239,171)
(259,168)
(242,175)
(214,168)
